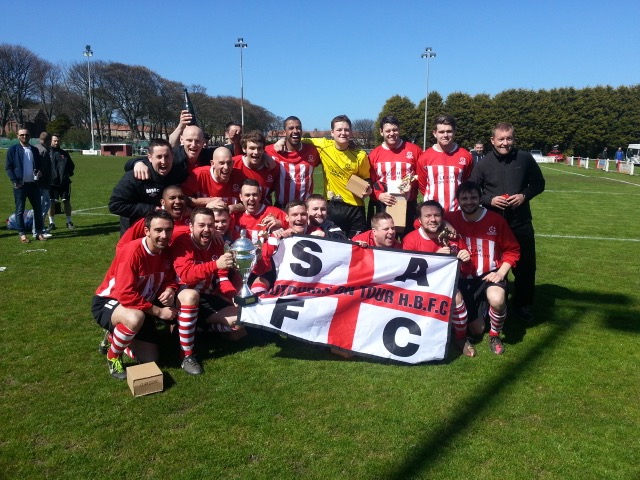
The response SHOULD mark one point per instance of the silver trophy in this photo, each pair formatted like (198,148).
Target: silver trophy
(245,254)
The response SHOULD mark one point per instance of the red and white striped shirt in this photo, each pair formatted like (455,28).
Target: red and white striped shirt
(295,173)
(440,173)
(266,178)
(136,276)
(393,165)
(489,240)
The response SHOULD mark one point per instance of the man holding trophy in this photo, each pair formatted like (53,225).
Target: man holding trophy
(205,292)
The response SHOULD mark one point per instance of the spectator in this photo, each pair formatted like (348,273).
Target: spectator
(23,165)
(478,152)
(44,182)
(62,169)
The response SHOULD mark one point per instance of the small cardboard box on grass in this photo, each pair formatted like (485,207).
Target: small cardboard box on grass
(145,379)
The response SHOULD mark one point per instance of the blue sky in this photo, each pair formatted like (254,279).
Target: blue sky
(317,60)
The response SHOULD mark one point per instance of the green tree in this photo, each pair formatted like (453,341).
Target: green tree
(405,111)
(61,124)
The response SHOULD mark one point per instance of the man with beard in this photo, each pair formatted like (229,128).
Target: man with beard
(494,251)
(431,237)
(382,233)
(205,295)
(138,289)
(510,178)
(444,166)
(393,167)
(132,198)
(296,164)
(62,169)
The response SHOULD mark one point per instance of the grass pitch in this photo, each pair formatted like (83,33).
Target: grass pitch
(562,402)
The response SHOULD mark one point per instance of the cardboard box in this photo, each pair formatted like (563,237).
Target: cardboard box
(398,211)
(357,186)
(145,379)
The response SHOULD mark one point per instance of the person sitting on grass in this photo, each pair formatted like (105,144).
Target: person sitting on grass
(138,289)
(494,251)
(432,237)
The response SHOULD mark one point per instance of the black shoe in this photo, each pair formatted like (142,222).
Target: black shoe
(52,226)
(70,226)
(191,365)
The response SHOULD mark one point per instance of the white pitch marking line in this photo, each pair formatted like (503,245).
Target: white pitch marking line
(589,176)
(590,192)
(584,237)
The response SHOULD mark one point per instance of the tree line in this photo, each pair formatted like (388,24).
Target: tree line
(580,122)
(134,95)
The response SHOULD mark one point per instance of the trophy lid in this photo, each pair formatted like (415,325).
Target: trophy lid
(243,244)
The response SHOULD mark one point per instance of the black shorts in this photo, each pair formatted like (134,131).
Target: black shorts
(210,304)
(350,218)
(102,309)
(60,192)
(474,293)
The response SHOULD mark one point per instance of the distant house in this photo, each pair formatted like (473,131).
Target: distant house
(34,120)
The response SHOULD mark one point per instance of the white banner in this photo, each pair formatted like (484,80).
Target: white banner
(390,304)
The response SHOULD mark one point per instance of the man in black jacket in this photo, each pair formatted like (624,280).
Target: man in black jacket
(132,198)
(62,168)
(509,179)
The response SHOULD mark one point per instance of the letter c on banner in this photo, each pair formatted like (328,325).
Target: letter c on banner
(389,336)
(315,264)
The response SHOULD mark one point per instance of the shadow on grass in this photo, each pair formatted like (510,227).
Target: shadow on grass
(455,429)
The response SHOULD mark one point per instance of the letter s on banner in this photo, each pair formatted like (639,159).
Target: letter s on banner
(300,252)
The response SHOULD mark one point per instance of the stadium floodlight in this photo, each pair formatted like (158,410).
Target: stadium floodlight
(89,53)
(241,45)
(428,53)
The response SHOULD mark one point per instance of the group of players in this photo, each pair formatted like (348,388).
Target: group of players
(182,204)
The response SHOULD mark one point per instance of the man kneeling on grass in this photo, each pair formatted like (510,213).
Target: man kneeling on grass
(433,237)
(138,289)
(205,296)
(494,251)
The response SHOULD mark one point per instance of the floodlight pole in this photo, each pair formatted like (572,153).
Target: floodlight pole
(89,53)
(241,45)
(428,53)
